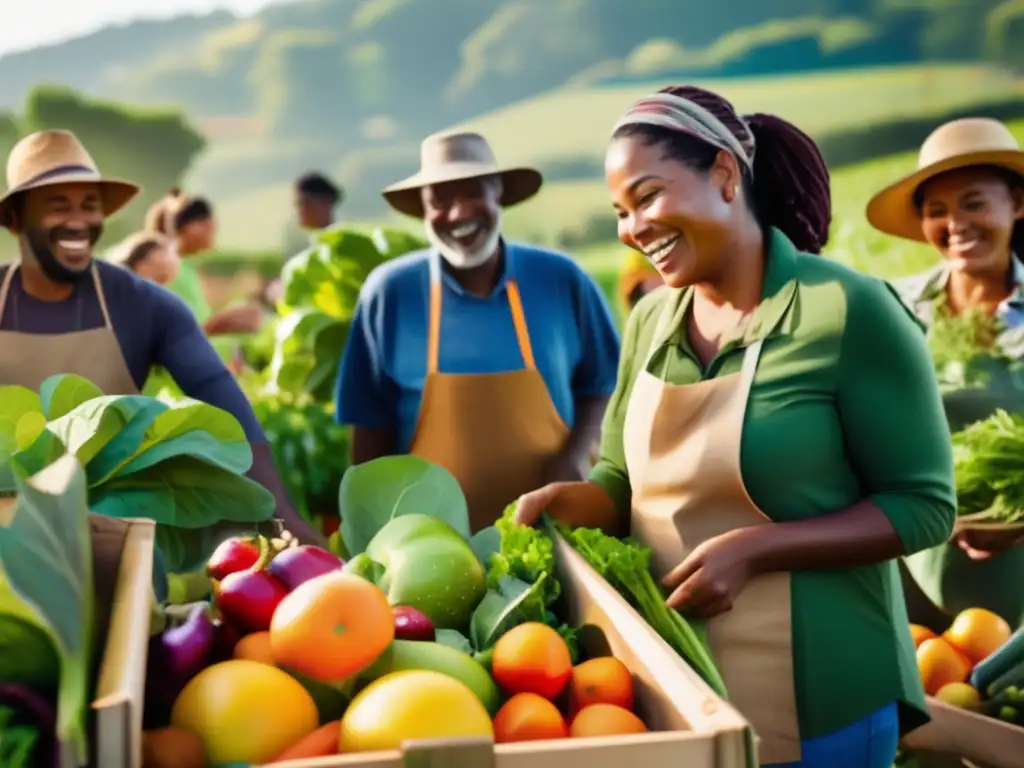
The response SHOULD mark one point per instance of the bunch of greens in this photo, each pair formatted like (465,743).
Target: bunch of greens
(46,614)
(182,464)
(522,585)
(321,288)
(310,449)
(970,348)
(989,467)
(626,566)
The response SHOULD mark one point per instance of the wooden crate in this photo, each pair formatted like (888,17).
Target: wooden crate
(691,726)
(957,733)
(117,708)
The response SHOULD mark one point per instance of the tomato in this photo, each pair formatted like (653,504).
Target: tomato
(245,711)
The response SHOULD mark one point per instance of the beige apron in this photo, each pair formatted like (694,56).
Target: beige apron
(497,433)
(682,445)
(28,359)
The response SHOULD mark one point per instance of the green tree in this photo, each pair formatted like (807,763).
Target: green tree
(153,148)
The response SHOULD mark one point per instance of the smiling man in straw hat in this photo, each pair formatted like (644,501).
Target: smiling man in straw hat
(966,200)
(492,359)
(61,311)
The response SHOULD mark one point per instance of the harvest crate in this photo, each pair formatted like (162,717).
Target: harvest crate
(957,733)
(690,725)
(124,599)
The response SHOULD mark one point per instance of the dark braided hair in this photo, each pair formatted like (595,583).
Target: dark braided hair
(790,184)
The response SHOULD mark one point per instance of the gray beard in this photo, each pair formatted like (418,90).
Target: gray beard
(457,257)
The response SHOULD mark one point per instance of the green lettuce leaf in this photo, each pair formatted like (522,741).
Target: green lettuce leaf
(16,403)
(373,493)
(46,580)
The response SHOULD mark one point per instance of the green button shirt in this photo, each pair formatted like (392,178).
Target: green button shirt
(844,406)
(945,573)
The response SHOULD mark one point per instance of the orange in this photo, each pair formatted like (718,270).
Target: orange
(331,627)
(940,664)
(605,720)
(920,634)
(976,633)
(255,647)
(601,681)
(529,717)
(532,658)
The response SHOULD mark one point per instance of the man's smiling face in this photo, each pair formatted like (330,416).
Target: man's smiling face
(60,225)
(463,219)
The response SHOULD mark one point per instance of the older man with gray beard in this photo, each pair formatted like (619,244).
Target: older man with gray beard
(492,359)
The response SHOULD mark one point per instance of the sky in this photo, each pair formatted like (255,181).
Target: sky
(27,24)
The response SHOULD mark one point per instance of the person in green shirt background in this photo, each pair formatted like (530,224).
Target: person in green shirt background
(966,200)
(776,436)
(190,223)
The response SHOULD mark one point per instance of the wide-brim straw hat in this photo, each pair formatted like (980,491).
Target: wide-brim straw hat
(48,158)
(456,156)
(972,141)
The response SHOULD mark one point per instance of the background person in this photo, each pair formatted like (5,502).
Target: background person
(63,312)
(149,255)
(637,278)
(966,200)
(493,359)
(776,435)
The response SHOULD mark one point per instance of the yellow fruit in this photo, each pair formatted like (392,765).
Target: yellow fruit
(959,695)
(976,633)
(245,711)
(415,704)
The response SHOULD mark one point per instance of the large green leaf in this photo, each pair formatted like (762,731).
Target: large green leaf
(15,404)
(64,392)
(373,493)
(46,579)
(87,429)
(184,492)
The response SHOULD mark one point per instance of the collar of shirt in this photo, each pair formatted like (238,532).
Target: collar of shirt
(772,315)
(923,292)
(509,254)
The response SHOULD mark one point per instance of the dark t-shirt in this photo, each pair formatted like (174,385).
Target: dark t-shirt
(152,326)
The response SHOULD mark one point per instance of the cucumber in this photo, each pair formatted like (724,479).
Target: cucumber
(411,654)
(1014,676)
(1009,655)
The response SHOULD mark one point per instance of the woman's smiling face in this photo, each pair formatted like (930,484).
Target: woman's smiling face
(676,216)
(968,215)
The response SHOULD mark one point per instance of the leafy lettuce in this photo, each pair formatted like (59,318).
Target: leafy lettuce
(181,464)
(46,592)
(321,288)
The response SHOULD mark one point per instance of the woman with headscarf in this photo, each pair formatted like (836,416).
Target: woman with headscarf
(966,200)
(776,437)
(190,222)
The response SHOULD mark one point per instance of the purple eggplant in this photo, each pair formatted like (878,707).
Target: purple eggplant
(175,657)
(29,710)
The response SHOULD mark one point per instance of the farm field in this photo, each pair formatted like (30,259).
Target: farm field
(571,125)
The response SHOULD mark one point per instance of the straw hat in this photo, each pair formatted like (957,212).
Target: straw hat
(47,158)
(453,156)
(958,144)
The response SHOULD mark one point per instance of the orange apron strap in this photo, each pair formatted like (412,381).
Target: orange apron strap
(434,327)
(515,303)
(5,288)
(102,299)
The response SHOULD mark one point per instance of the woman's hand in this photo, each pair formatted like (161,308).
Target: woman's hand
(710,579)
(584,503)
(979,545)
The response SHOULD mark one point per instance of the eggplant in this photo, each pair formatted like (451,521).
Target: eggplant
(28,728)
(176,656)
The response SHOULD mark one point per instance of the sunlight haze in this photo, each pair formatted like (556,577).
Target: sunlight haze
(27,25)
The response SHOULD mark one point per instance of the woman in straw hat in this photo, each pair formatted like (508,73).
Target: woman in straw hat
(966,200)
(63,312)
(764,438)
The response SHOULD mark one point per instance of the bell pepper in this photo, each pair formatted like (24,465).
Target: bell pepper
(423,562)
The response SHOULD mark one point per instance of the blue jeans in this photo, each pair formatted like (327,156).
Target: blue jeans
(868,743)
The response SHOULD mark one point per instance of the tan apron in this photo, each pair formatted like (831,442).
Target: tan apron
(497,433)
(28,359)
(682,445)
